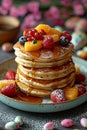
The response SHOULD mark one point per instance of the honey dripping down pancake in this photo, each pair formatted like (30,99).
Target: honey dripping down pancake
(44,58)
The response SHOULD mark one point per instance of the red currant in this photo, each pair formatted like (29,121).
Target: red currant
(25,33)
(42,32)
(48,42)
(38,36)
(32,32)
(30,38)
(67,35)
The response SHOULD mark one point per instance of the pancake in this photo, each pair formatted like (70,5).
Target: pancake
(41,71)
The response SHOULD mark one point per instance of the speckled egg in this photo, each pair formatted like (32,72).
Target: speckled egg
(67,122)
(83,122)
(79,40)
(11,125)
(49,126)
(59,28)
(19,120)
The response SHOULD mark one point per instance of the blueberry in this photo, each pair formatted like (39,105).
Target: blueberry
(63,41)
(22,40)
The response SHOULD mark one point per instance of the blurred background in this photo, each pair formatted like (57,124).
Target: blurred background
(63,15)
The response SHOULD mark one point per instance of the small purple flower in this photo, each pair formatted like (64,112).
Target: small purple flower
(66,3)
(52,13)
(84,2)
(78,9)
(33,6)
(3,10)
(7,4)
(14,11)
(22,10)
(37,15)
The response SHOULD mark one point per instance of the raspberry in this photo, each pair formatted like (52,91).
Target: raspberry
(81,89)
(9,90)
(80,77)
(67,35)
(10,75)
(57,96)
(48,43)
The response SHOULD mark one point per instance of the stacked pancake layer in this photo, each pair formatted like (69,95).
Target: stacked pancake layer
(42,71)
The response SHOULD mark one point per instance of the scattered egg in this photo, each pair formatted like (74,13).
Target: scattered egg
(67,122)
(83,122)
(11,125)
(7,47)
(49,126)
(19,120)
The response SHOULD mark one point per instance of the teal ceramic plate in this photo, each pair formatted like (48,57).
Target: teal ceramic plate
(47,105)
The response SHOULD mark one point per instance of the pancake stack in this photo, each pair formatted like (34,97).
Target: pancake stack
(42,71)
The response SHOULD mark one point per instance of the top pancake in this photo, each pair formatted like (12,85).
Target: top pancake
(45,55)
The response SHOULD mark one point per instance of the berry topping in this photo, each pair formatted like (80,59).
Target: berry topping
(42,32)
(81,89)
(63,41)
(9,90)
(32,32)
(48,42)
(10,75)
(80,77)
(25,33)
(58,96)
(67,35)
(38,36)
(22,40)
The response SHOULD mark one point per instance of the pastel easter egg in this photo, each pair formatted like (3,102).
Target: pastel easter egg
(79,40)
(11,125)
(0,127)
(59,28)
(19,120)
(49,126)
(83,122)
(67,122)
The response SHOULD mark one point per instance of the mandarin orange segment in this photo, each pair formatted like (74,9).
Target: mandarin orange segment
(4,83)
(55,37)
(30,46)
(71,93)
(47,29)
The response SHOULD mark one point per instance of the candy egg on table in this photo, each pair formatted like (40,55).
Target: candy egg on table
(81,25)
(82,54)
(7,47)
(19,120)
(79,39)
(11,125)
(71,22)
(49,126)
(83,122)
(67,122)
(59,28)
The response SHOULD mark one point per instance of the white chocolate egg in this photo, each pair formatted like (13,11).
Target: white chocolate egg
(83,122)
(11,125)
(49,126)
(19,120)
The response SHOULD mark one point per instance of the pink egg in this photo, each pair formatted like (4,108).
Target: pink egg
(67,122)
(49,126)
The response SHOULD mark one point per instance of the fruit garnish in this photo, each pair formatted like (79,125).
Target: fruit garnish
(48,42)
(4,83)
(81,89)
(9,90)
(31,46)
(49,30)
(25,33)
(63,41)
(71,93)
(80,77)
(57,96)
(22,40)
(10,75)
(67,35)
